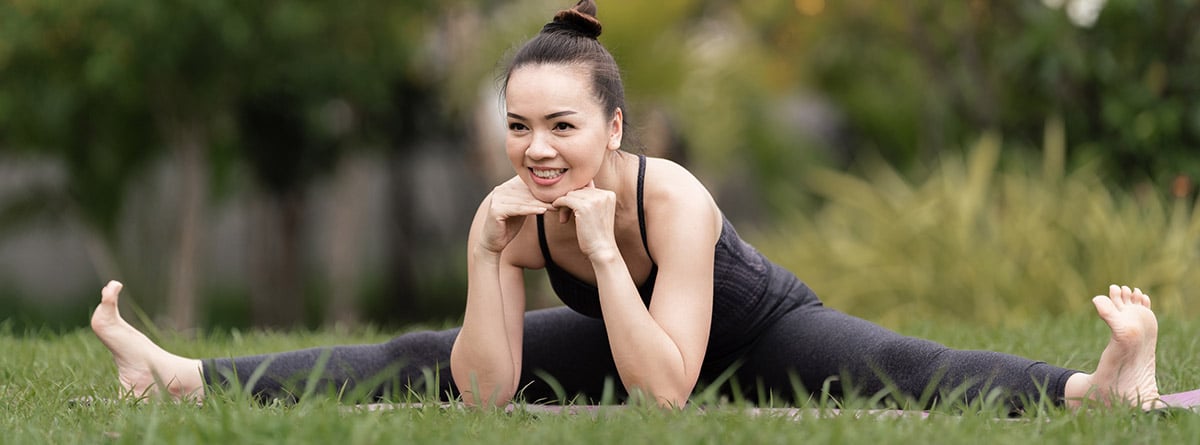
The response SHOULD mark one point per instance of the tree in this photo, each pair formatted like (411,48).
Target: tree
(112,84)
(80,84)
(916,78)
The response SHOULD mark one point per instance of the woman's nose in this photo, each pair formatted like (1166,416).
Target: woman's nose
(539,148)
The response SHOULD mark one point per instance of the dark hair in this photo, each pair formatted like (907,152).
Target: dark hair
(570,38)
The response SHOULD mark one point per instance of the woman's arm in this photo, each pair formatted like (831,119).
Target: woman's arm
(659,351)
(486,358)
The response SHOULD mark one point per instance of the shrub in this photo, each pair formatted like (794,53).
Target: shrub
(985,241)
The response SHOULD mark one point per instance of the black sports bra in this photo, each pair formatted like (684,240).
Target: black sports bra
(584,297)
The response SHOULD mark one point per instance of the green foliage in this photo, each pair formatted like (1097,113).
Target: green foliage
(60,97)
(284,87)
(916,78)
(985,242)
(104,84)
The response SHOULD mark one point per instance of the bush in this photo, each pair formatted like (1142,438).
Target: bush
(986,241)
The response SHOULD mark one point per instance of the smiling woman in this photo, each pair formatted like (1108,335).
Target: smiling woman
(661,294)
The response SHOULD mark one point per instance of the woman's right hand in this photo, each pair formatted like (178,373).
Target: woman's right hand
(511,202)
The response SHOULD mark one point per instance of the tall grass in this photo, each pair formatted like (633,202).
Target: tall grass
(986,240)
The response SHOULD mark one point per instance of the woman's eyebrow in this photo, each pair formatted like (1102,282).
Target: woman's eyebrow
(547,117)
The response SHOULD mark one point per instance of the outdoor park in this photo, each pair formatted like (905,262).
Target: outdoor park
(273,176)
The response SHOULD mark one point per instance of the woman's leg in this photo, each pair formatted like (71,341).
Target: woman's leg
(816,344)
(558,342)
(413,363)
(144,368)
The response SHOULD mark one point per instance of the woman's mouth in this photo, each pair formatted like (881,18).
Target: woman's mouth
(546,176)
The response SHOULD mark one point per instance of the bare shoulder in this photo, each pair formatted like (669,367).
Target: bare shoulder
(674,196)
(667,179)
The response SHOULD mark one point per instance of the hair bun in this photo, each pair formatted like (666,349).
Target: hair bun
(579,20)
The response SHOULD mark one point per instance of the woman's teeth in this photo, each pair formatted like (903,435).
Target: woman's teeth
(548,174)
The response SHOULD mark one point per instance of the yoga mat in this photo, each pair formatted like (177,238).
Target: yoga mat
(1186,399)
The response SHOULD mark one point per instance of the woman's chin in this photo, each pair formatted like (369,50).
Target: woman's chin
(551,193)
(548,197)
(547,194)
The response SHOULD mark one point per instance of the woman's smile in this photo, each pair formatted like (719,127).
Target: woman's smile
(546,176)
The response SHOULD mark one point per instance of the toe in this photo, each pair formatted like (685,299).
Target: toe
(1114,294)
(111,292)
(1141,297)
(1104,307)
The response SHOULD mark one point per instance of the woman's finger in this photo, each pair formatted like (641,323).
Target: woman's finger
(511,210)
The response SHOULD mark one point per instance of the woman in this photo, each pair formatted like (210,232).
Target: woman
(661,293)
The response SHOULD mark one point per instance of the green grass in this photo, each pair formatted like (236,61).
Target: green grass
(41,372)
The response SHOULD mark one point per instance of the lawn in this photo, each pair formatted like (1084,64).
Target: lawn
(42,372)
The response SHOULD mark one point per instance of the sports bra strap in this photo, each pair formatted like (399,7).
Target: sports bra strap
(542,240)
(641,204)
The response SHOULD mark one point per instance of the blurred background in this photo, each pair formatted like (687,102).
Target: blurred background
(305,163)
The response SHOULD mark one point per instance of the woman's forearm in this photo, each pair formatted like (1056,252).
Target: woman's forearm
(484,366)
(647,358)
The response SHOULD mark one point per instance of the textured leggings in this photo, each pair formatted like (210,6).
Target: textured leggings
(809,349)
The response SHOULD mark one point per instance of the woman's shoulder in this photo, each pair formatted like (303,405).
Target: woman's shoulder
(667,180)
(672,189)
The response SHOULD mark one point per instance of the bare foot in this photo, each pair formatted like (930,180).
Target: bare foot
(1126,372)
(142,367)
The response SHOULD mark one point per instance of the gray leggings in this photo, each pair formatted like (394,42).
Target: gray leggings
(810,348)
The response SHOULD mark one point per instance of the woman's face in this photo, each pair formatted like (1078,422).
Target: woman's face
(558,134)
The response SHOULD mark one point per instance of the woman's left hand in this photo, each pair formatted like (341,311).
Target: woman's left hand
(593,210)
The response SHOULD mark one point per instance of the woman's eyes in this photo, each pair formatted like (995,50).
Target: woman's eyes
(561,126)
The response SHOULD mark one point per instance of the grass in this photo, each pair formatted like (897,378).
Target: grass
(42,372)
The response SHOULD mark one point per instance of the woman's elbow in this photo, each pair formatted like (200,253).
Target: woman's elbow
(672,401)
(482,389)
(494,396)
(667,395)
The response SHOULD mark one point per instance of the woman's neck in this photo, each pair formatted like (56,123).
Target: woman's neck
(619,175)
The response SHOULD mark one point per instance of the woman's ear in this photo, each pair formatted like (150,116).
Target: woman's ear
(616,130)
